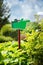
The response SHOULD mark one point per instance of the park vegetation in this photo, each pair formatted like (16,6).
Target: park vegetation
(31,48)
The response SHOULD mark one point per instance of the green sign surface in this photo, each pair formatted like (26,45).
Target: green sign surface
(20,24)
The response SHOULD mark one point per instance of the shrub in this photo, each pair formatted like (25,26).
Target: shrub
(6,28)
(31,52)
(8,31)
(5,39)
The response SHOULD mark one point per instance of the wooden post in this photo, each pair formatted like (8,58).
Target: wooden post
(19,38)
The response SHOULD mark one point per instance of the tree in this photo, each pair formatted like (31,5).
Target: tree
(37,17)
(4,13)
(41,25)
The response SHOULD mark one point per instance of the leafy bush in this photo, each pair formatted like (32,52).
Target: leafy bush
(5,39)
(10,54)
(34,46)
(8,31)
(32,26)
(31,53)
(6,28)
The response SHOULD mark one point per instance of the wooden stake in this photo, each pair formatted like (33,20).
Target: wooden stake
(19,38)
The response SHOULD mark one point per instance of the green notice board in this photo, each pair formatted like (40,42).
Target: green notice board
(20,24)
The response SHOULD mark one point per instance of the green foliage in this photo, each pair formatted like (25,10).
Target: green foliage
(31,26)
(5,39)
(41,24)
(34,43)
(8,31)
(4,13)
(30,53)
(11,54)
(0,32)
(6,28)
(31,49)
